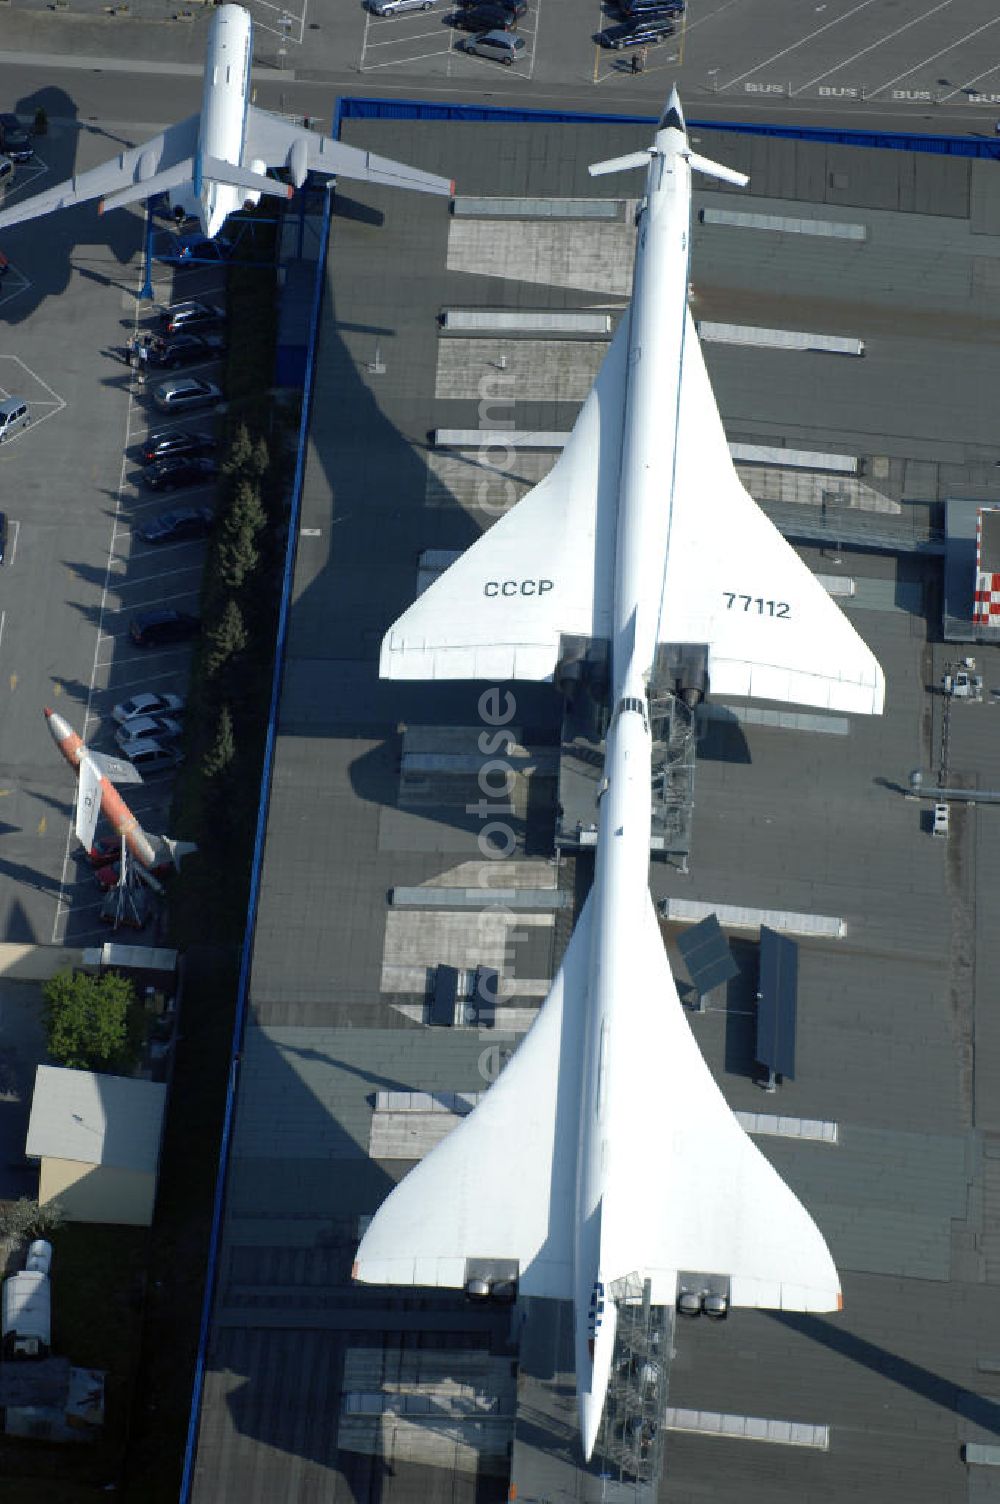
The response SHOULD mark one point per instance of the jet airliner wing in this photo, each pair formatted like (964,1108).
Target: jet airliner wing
(545,568)
(165,162)
(733,582)
(502,1185)
(695,1192)
(278,143)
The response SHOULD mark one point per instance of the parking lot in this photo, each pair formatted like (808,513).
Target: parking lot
(76,570)
(841,53)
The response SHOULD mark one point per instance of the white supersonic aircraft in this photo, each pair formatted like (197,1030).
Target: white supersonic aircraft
(605,1148)
(215,162)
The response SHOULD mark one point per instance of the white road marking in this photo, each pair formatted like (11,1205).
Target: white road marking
(809,36)
(968,85)
(956,42)
(873,47)
(13,548)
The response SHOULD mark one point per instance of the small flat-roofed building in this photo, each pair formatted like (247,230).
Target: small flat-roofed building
(97,1139)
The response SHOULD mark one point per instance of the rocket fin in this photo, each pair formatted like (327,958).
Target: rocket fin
(545,568)
(734,583)
(88,802)
(503,1183)
(696,1193)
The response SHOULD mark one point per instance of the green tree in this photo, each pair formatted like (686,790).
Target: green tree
(226,639)
(240,452)
(237,552)
(260,460)
(223,749)
(24,1219)
(87,1021)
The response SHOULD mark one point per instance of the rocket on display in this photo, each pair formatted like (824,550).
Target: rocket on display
(605,1149)
(97,795)
(215,162)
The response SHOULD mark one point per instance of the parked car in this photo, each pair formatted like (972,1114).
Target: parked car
(15,138)
(494,16)
(635,34)
(177,525)
(397,7)
(179,470)
(190,315)
(166,443)
(498,45)
(191,250)
(163,628)
(648,10)
(184,393)
(6,178)
(186,350)
(163,728)
(151,756)
(149,702)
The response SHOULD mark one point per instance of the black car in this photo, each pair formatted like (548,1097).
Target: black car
(165,443)
(648,10)
(3,536)
(493,17)
(180,470)
(518,8)
(15,140)
(185,350)
(175,526)
(153,629)
(635,34)
(188,317)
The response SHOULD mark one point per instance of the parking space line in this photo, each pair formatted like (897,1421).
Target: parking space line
(400,61)
(148,578)
(809,36)
(874,46)
(969,82)
(956,42)
(534,39)
(13,547)
(392,41)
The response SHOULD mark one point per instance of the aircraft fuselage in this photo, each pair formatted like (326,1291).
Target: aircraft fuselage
(656,335)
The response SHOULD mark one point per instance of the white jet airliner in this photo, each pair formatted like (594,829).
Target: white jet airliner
(605,1149)
(215,162)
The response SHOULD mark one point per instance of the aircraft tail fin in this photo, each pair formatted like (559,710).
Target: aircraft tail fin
(179,849)
(244,177)
(717,170)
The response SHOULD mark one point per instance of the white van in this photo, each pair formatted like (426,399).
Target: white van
(14,414)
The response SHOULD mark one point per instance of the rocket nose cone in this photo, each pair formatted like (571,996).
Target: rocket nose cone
(59,728)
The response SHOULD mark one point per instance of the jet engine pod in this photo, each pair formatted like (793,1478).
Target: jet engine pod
(681,668)
(491,1279)
(298,161)
(715,1305)
(689,1303)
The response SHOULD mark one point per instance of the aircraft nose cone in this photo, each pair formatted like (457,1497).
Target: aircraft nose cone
(591,1410)
(673,116)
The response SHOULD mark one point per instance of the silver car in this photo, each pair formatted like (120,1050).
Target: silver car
(184,393)
(397,7)
(501,46)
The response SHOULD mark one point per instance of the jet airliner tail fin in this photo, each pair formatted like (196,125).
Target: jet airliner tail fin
(619,164)
(717,170)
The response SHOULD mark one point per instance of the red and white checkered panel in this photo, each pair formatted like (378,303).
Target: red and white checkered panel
(986,607)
